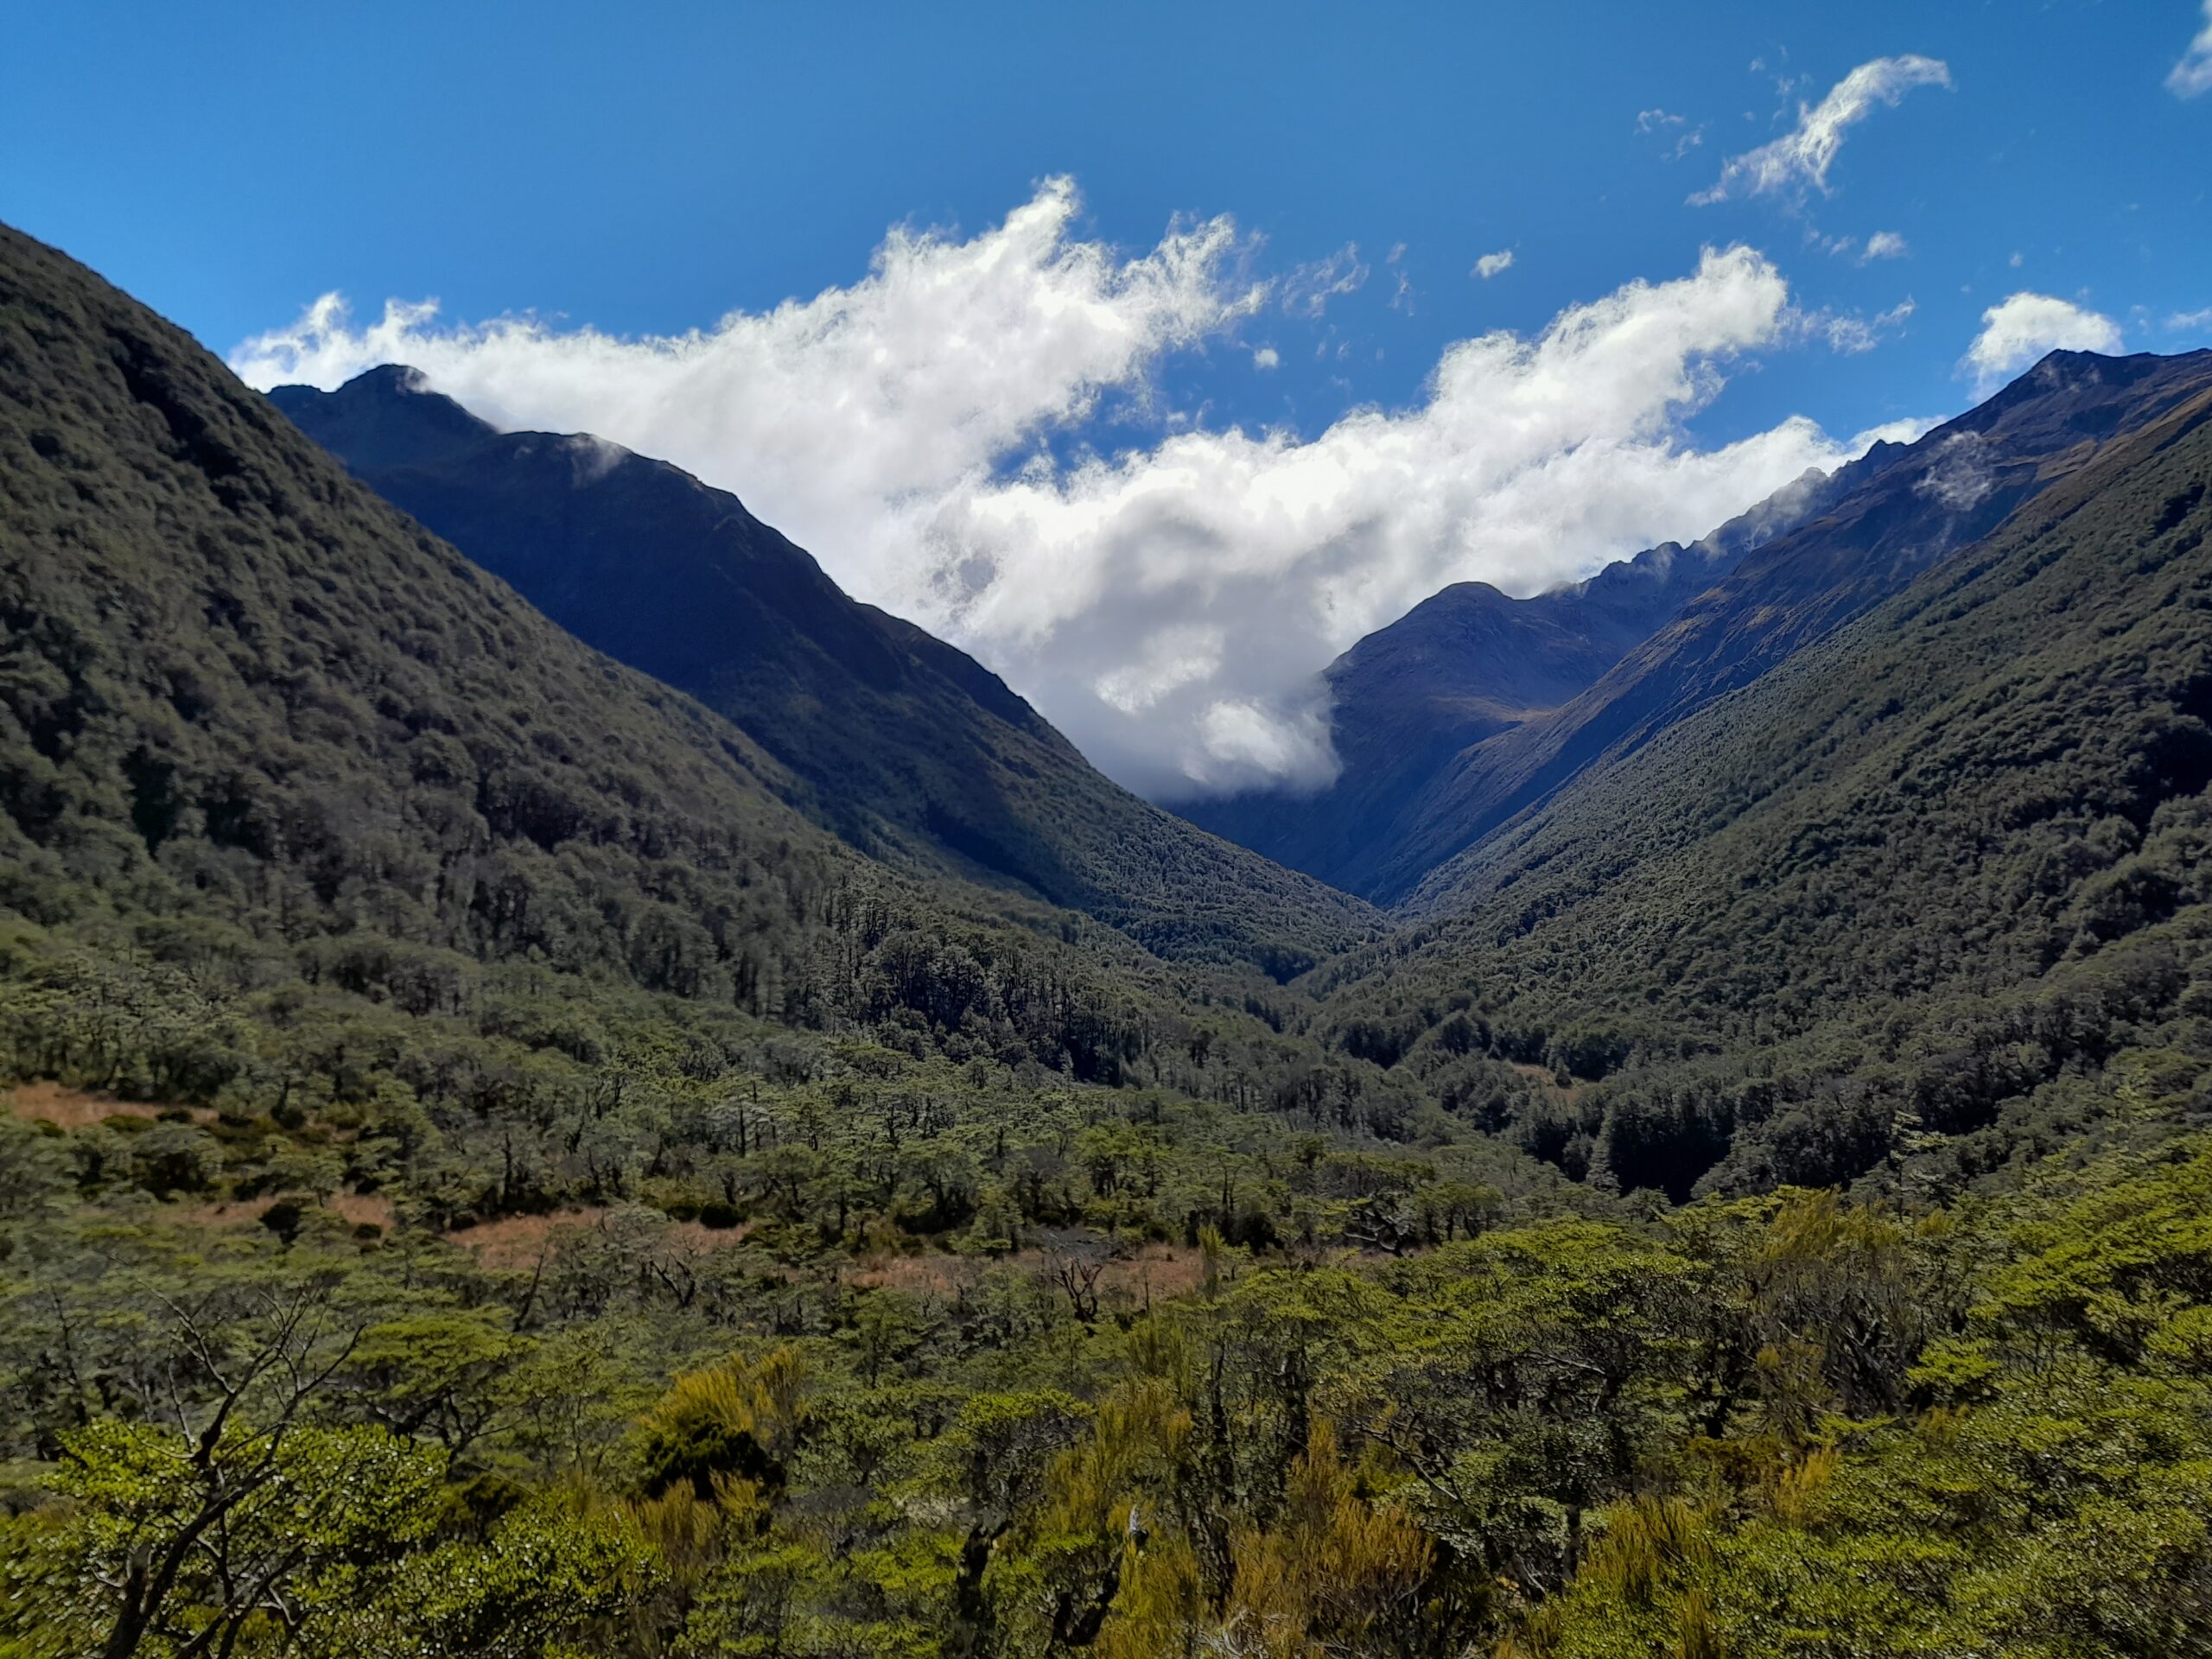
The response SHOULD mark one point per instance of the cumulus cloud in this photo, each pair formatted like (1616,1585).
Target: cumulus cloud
(1267,358)
(949,354)
(2018,330)
(1169,606)
(1883,244)
(1491,263)
(2193,74)
(1800,159)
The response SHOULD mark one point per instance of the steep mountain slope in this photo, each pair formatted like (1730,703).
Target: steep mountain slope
(264,739)
(1904,510)
(1471,663)
(237,683)
(902,745)
(1935,894)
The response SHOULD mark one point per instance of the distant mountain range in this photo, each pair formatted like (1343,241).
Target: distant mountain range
(1475,707)
(904,747)
(1465,665)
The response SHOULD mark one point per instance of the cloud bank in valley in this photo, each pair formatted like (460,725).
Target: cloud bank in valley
(1167,606)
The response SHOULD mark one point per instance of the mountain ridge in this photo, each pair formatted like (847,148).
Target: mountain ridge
(902,745)
(1466,664)
(1977,469)
(1426,782)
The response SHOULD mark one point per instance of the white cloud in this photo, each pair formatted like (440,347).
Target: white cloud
(1665,124)
(1168,607)
(2190,320)
(1801,157)
(2193,74)
(1491,263)
(1959,475)
(2019,330)
(946,357)
(1401,296)
(1267,358)
(1849,333)
(1883,244)
(1309,289)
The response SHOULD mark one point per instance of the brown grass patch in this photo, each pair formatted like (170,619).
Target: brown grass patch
(518,1241)
(933,1275)
(74,1109)
(695,1236)
(1157,1272)
(372,1209)
(80,1109)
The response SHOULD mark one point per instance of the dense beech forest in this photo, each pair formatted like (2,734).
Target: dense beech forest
(485,1174)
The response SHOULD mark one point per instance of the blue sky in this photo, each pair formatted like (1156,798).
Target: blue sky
(1335,175)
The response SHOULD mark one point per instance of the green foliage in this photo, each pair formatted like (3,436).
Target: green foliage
(504,1183)
(1930,898)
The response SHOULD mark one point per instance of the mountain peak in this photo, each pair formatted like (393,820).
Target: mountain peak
(388,417)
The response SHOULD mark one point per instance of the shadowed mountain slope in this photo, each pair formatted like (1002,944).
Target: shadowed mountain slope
(1465,666)
(238,685)
(904,745)
(260,731)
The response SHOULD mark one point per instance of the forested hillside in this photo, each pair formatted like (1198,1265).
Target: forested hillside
(1929,898)
(259,724)
(483,1173)
(903,746)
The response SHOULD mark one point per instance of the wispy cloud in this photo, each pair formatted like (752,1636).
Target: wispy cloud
(1674,131)
(1308,289)
(1169,605)
(1883,244)
(2023,327)
(1492,264)
(1401,294)
(2193,74)
(1800,159)
(1849,334)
